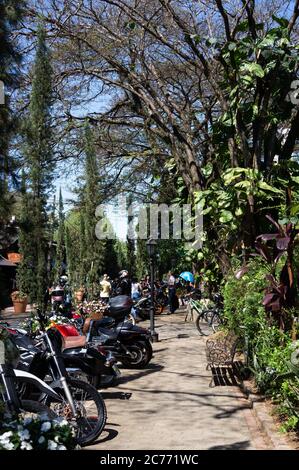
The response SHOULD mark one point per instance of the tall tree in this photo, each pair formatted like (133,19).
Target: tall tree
(11,12)
(131,254)
(94,248)
(60,242)
(38,159)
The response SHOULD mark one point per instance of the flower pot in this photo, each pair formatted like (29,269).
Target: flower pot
(14,257)
(20,305)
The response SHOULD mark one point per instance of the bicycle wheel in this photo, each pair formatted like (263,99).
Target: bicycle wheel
(91,410)
(216,322)
(203,324)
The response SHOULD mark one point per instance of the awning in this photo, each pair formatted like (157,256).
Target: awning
(6,262)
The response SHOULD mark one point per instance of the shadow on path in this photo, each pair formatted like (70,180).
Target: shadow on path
(242,445)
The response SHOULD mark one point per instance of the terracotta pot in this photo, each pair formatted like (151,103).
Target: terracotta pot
(14,257)
(20,305)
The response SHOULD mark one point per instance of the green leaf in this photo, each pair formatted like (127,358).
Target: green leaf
(295,209)
(254,69)
(243,184)
(232,46)
(206,211)
(295,179)
(226,216)
(195,37)
(239,212)
(242,27)
(207,170)
(266,187)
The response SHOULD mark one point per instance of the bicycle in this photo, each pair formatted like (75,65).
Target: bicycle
(207,317)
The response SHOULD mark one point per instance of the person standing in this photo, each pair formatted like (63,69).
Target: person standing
(136,289)
(171,293)
(105,288)
(124,283)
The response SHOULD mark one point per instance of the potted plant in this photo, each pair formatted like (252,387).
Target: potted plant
(19,300)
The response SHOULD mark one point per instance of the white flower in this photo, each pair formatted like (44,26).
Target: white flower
(24,435)
(26,446)
(45,426)
(4,437)
(52,445)
(63,422)
(41,440)
(7,445)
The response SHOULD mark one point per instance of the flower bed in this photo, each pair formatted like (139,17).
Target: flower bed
(38,433)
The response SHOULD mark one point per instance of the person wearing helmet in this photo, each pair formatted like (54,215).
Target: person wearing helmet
(124,284)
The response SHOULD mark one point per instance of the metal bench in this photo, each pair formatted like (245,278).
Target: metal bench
(220,350)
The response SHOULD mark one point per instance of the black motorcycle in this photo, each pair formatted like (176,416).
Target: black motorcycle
(79,402)
(13,378)
(129,344)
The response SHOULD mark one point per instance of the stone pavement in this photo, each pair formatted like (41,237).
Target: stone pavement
(172,406)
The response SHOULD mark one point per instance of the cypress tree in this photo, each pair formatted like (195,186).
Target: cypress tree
(130,239)
(60,246)
(71,257)
(94,248)
(38,153)
(10,14)
(26,233)
(81,273)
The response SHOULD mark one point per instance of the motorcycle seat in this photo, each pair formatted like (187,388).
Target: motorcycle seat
(70,342)
(124,326)
(109,334)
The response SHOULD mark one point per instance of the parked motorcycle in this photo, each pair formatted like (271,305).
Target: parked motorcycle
(130,344)
(79,402)
(84,360)
(11,378)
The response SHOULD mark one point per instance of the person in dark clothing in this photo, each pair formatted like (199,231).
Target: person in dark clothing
(124,286)
(172,293)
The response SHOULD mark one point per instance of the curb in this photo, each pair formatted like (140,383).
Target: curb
(276,440)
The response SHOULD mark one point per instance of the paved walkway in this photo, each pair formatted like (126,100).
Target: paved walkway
(172,406)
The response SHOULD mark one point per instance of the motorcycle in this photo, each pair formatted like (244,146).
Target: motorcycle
(79,402)
(85,360)
(12,378)
(130,344)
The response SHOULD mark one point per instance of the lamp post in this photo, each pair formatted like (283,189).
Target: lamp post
(151,246)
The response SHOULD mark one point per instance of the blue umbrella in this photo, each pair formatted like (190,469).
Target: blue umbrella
(187,276)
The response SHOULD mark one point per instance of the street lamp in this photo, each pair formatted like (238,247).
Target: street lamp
(151,246)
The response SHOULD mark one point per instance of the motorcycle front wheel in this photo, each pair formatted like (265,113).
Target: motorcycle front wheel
(91,411)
